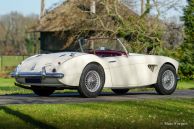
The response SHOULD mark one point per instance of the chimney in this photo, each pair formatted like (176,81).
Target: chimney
(93,7)
(42,8)
(142,7)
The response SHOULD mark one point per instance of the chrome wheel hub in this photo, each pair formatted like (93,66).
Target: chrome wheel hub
(92,81)
(168,80)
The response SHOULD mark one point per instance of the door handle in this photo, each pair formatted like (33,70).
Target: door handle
(113,61)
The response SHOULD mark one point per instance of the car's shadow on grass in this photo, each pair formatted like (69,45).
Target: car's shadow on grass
(26,118)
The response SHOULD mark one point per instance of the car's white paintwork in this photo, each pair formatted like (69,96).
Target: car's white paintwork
(134,70)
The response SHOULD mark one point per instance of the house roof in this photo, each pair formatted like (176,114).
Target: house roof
(74,14)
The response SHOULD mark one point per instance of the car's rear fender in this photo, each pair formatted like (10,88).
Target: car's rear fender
(163,61)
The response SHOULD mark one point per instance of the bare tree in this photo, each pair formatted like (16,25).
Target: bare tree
(163,6)
(15,25)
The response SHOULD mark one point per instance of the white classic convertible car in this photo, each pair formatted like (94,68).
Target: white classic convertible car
(90,65)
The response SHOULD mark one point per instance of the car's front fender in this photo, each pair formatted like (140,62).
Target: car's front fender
(72,69)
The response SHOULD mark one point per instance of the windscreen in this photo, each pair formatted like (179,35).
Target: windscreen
(102,45)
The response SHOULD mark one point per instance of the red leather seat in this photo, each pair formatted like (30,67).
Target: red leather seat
(107,53)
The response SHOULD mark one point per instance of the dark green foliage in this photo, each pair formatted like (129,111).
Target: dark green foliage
(143,35)
(29,45)
(148,6)
(187,58)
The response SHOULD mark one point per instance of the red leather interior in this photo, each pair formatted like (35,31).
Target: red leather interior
(107,53)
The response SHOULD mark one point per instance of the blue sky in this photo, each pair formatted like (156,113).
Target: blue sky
(27,7)
(24,6)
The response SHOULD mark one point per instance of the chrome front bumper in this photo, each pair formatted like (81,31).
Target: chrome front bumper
(42,74)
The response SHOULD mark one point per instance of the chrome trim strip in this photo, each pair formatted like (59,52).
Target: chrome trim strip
(42,74)
(36,74)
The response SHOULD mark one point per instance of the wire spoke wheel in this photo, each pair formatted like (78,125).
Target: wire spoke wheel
(168,79)
(92,81)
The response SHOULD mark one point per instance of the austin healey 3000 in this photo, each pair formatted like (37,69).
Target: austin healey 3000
(90,65)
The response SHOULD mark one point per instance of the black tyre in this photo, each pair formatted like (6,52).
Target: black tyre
(167,80)
(120,91)
(92,81)
(43,91)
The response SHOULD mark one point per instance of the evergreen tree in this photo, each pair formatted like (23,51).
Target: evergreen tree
(187,60)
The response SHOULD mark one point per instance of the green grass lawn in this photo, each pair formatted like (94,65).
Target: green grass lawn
(7,87)
(186,85)
(140,114)
(151,114)
(12,60)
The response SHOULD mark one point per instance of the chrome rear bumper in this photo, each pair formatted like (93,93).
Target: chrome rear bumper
(42,74)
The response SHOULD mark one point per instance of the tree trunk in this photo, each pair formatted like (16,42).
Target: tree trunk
(148,6)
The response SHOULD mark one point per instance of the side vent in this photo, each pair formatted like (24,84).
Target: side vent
(152,67)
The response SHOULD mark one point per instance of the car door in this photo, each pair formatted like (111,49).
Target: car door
(129,71)
(119,69)
(141,72)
